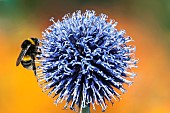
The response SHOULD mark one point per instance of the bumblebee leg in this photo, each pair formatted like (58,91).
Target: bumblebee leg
(34,67)
(38,55)
(34,72)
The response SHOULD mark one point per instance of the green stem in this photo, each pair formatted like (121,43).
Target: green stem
(86,109)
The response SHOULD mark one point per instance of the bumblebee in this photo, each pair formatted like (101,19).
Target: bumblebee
(28,54)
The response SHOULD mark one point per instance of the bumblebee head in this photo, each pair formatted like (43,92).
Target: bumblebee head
(30,41)
(35,40)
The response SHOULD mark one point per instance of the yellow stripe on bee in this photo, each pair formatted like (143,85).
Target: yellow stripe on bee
(26,58)
(32,42)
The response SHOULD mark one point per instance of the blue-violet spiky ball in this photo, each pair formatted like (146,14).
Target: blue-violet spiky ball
(84,60)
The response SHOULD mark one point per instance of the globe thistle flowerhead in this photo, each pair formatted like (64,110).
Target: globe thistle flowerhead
(84,60)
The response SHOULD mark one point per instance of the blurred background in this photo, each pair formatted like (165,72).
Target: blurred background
(146,21)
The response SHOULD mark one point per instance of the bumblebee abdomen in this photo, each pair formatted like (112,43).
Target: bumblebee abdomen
(27,58)
(27,62)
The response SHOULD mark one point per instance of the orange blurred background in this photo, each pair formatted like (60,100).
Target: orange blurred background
(145,21)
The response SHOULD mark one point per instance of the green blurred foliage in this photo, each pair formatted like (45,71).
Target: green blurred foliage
(12,11)
(158,8)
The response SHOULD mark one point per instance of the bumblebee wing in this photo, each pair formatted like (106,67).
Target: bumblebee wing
(21,55)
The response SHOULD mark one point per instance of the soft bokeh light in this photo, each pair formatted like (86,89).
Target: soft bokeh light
(145,21)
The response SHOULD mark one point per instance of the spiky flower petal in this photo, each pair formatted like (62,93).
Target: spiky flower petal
(84,59)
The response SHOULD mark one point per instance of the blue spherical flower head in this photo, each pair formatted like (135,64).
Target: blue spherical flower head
(84,60)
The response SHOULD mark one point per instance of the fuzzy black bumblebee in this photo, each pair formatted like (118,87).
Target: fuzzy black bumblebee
(28,54)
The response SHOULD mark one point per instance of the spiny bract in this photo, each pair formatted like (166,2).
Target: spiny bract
(84,59)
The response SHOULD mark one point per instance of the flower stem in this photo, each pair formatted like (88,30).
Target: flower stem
(86,109)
